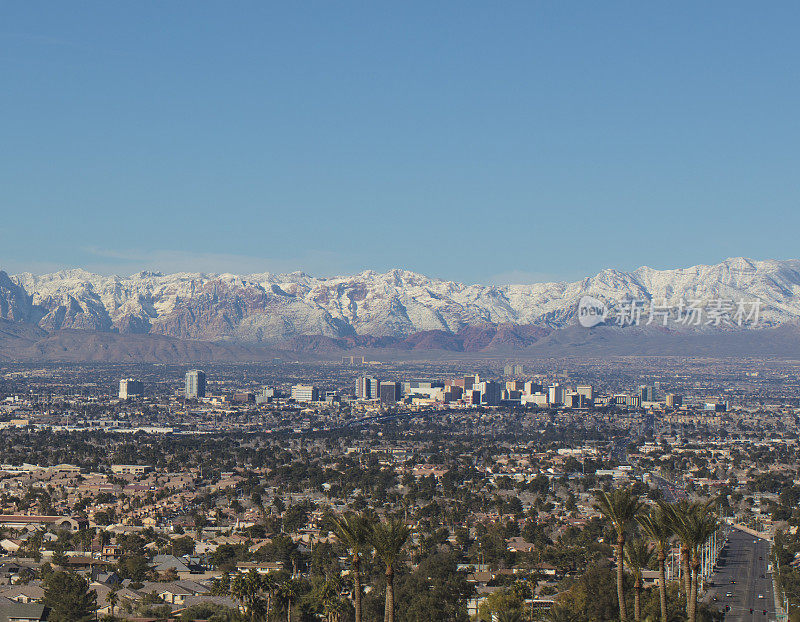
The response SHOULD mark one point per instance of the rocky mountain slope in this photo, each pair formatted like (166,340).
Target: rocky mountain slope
(400,306)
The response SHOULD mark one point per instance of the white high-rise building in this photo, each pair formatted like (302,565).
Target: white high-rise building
(555,394)
(128,387)
(305,393)
(195,384)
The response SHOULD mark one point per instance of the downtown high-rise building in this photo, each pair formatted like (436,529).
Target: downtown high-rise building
(305,393)
(673,400)
(367,388)
(128,387)
(390,392)
(195,384)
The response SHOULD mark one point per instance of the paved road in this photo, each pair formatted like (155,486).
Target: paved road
(745,563)
(671,493)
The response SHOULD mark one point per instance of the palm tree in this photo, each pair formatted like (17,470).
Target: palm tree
(246,588)
(270,586)
(656,526)
(674,515)
(694,523)
(388,539)
(703,525)
(509,615)
(559,613)
(638,556)
(289,590)
(353,532)
(620,507)
(333,606)
(112,598)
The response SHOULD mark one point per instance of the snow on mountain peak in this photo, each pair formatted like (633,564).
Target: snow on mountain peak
(273,307)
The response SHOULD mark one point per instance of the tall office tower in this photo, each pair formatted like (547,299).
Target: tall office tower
(533,387)
(128,387)
(471,381)
(586,390)
(673,400)
(555,394)
(647,393)
(490,392)
(390,392)
(367,388)
(572,399)
(515,385)
(195,384)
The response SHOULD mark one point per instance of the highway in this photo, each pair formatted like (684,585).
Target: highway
(742,573)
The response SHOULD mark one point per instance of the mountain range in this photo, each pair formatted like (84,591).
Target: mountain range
(245,316)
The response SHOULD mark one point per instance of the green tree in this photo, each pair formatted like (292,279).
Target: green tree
(694,523)
(211,612)
(503,601)
(560,613)
(637,556)
(68,596)
(592,597)
(353,532)
(388,539)
(112,598)
(246,588)
(288,592)
(656,526)
(183,546)
(620,507)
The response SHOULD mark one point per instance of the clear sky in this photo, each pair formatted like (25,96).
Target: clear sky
(476,141)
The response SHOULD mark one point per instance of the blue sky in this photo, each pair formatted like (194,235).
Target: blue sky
(477,141)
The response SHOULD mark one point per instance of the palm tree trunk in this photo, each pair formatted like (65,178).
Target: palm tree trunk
(662,583)
(637,600)
(693,602)
(687,579)
(623,610)
(388,611)
(289,610)
(357,586)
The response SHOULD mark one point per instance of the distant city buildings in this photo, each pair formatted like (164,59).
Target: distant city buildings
(390,393)
(367,388)
(555,394)
(673,401)
(352,360)
(195,384)
(128,387)
(647,393)
(305,393)
(266,395)
(490,392)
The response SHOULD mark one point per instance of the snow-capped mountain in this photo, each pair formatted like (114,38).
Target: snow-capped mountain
(275,307)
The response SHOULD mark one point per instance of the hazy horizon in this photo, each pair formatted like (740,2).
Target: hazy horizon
(498,280)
